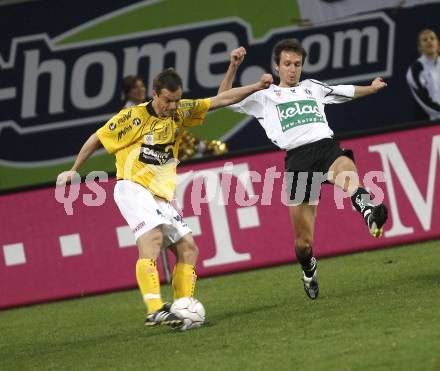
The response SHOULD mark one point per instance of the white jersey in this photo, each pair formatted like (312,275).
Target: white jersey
(423,78)
(294,116)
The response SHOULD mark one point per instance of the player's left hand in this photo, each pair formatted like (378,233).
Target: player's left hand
(378,83)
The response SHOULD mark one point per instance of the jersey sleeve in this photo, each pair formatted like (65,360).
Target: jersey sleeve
(119,131)
(338,93)
(194,111)
(251,105)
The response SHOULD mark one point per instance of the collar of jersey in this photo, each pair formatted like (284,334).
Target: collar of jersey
(150,109)
(430,61)
(288,87)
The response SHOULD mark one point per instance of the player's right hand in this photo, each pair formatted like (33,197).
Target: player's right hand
(237,56)
(65,177)
(265,80)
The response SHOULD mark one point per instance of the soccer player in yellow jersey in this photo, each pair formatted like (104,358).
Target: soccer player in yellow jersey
(145,141)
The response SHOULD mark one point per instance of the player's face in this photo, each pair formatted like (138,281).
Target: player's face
(290,68)
(138,92)
(428,43)
(166,103)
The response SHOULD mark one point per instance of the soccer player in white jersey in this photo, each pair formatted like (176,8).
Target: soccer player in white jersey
(145,140)
(292,114)
(423,76)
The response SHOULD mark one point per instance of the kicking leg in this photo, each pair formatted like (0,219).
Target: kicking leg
(343,173)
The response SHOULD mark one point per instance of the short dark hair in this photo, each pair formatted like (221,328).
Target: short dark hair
(128,83)
(167,79)
(291,45)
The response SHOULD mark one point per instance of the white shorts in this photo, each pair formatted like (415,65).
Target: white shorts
(143,212)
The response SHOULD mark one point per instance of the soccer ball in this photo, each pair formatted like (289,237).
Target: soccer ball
(190,310)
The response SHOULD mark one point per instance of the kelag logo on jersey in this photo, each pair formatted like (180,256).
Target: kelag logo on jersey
(302,112)
(63,92)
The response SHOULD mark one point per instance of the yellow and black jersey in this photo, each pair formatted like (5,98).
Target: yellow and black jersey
(146,146)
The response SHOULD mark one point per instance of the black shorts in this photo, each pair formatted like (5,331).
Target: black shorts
(306,169)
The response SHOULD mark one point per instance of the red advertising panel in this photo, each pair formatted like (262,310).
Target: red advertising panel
(53,248)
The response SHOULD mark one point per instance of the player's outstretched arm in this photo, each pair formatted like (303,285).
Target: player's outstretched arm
(376,85)
(237,57)
(88,148)
(235,95)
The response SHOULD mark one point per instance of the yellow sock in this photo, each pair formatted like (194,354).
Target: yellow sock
(148,281)
(184,280)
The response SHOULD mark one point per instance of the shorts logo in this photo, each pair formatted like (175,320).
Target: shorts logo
(298,113)
(138,227)
(179,219)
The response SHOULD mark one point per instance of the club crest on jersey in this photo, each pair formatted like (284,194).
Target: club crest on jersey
(149,139)
(277,93)
(112,126)
(136,121)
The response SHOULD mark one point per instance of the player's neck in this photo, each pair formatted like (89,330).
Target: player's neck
(283,84)
(155,109)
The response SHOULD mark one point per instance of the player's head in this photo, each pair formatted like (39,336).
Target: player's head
(167,92)
(289,56)
(428,43)
(133,89)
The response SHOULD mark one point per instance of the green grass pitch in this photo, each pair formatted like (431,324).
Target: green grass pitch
(376,311)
